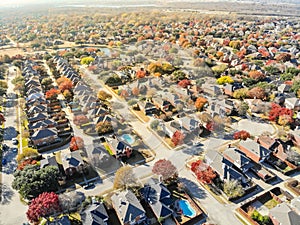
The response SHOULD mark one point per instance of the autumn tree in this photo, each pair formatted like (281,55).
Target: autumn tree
(26,154)
(103,95)
(47,81)
(241,135)
(80,119)
(52,93)
(256,75)
(135,91)
(87,60)
(257,93)
(166,169)
(125,178)
(203,172)
(200,102)
(178,75)
(240,93)
(104,127)
(26,162)
(242,108)
(184,83)
(233,189)
(76,143)
(177,138)
(224,80)
(141,73)
(284,114)
(46,204)
(66,85)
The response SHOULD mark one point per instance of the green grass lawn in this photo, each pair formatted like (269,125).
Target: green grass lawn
(108,148)
(271,203)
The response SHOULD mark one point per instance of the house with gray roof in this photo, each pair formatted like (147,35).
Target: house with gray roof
(44,136)
(49,161)
(128,208)
(72,162)
(95,214)
(283,214)
(158,197)
(253,150)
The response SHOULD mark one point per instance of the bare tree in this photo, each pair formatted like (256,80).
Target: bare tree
(125,178)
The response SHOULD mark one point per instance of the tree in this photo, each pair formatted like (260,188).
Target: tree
(293,157)
(46,204)
(125,178)
(47,81)
(242,135)
(87,60)
(256,75)
(203,172)
(257,93)
(103,95)
(200,102)
(26,162)
(277,111)
(67,94)
(104,127)
(26,154)
(154,124)
(70,201)
(135,91)
(67,85)
(233,189)
(242,108)
(166,169)
(76,143)
(32,180)
(62,79)
(52,93)
(80,120)
(141,73)
(178,75)
(184,83)
(224,80)
(177,138)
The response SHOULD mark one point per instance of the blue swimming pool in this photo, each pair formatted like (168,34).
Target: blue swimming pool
(128,138)
(187,209)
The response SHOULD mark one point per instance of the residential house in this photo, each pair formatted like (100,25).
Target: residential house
(295,137)
(274,145)
(128,208)
(253,150)
(161,103)
(295,204)
(158,197)
(47,123)
(284,88)
(36,109)
(172,98)
(45,136)
(225,168)
(191,125)
(72,162)
(282,214)
(243,163)
(222,107)
(147,107)
(119,148)
(94,214)
(169,128)
(211,89)
(292,103)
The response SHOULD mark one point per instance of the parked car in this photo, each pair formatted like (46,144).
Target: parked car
(4,162)
(5,147)
(15,141)
(89,186)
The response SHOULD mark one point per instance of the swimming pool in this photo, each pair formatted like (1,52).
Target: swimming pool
(187,209)
(128,138)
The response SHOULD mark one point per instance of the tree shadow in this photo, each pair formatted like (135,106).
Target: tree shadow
(193,188)
(6,194)
(11,164)
(193,150)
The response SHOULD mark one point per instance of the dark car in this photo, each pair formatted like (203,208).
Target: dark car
(89,186)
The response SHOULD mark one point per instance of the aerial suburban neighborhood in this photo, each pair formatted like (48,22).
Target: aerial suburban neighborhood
(150,113)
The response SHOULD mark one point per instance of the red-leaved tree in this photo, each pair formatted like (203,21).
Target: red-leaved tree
(242,135)
(200,102)
(26,162)
(278,111)
(184,83)
(177,138)
(165,168)
(203,172)
(45,204)
(76,143)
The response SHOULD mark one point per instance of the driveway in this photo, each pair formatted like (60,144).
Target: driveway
(253,127)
